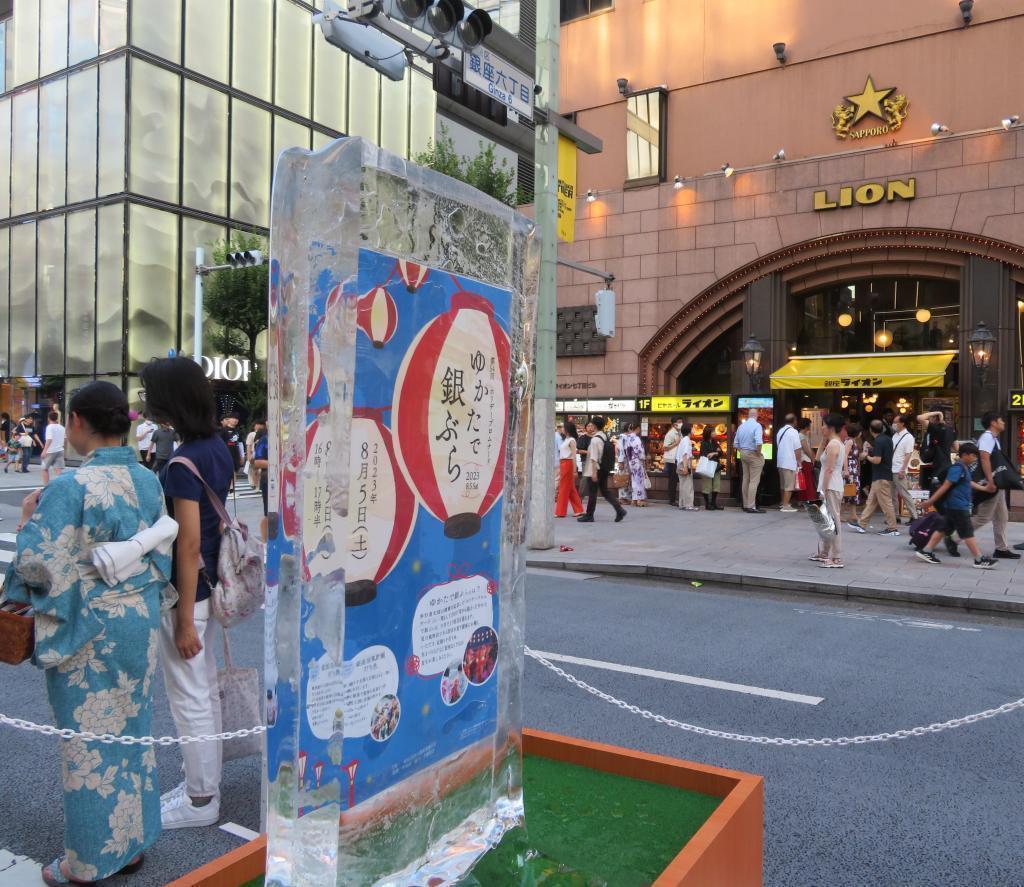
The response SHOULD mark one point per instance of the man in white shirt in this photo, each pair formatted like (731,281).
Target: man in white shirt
(788,452)
(902,449)
(670,450)
(684,468)
(144,437)
(53,450)
(748,442)
(993,510)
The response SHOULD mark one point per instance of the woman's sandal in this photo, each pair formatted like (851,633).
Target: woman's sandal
(54,876)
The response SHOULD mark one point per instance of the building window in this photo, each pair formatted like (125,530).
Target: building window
(573,9)
(645,144)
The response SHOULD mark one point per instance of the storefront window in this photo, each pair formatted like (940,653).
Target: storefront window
(154,131)
(206,37)
(23,300)
(53,43)
(152,284)
(881,315)
(82,124)
(292,57)
(713,368)
(206,149)
(250,163)
(251,34)
(50,295)
(53,124)
(25,122)
(112,120)
(109,288)
(80,313)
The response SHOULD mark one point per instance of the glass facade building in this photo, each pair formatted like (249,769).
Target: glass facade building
(134,131)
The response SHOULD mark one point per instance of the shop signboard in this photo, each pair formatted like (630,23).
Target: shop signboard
(572,406)
(612,405)
(755,403)
(1016,399)
(706,403)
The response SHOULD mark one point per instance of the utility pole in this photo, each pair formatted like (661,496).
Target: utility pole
(542,524)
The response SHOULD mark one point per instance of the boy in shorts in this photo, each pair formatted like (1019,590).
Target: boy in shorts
(958,486)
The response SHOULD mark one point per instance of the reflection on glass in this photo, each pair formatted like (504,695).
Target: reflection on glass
(152,284)
(84,30)
(113,24)
(23,152)
(53,35)
(206,37)
(5,158)
(330,91)
(26,44)
(5,294)
(5,33)
(50,295)
(154,131)
(321,139)
(643,135)
(194,233)
(206,149)
(80,316)
(82,135)
(53,109)
(112,117)
(71,386)
(394,114)
(289,135)
(363,103)
(423,112)
(23,300)
(109,288)
(250,67)
(250,163)
(156,26)
(292,58)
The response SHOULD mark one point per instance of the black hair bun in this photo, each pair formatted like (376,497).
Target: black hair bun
(104,406)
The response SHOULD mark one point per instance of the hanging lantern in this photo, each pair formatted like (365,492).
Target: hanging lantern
(923,315)
(450,409)
(381,508)
(883,338)
(377,316)
(413,275)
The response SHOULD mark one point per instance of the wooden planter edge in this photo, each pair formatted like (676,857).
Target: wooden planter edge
(727,849)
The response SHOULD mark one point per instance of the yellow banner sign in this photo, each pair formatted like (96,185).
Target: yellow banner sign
(566,189)
(713,403)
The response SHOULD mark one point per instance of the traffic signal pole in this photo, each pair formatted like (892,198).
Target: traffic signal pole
(541,533)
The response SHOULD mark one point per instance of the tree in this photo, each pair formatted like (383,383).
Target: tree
(237,299)
(483,172)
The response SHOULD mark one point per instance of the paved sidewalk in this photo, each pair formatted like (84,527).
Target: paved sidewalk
(771,550)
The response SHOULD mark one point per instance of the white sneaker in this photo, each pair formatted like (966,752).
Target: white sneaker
(170,799)
(179,812)
(789,509)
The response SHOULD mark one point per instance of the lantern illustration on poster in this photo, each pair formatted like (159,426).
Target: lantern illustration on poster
(382,507)
(318,772)
(314,368)
(350,771)
(302,768)
(413,275)
(450,406)
(377,316)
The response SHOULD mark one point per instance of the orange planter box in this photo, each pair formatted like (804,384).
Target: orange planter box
(727,851)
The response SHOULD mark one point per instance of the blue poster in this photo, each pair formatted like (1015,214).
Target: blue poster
(419,548)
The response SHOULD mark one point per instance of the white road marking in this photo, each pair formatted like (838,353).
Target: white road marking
(562,574)
(239,831)
(902,621)
(8,537)
(685,679)
(6,556)
(17,871)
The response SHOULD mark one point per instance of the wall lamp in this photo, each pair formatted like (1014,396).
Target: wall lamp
(591,195)
(678,183)
(939,128)
(727,169)
(779,155)
(967,11)
(780,52)
(1010,122)
(623,85)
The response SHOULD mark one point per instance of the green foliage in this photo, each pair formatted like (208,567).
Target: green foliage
(237,299)
(253,394)
(483,172)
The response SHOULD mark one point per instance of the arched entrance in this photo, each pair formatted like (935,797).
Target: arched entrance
(813,264)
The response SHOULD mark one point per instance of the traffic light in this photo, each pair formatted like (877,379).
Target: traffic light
(245,258)
(451,22)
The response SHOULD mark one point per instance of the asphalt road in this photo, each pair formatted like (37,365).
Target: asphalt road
(941,809)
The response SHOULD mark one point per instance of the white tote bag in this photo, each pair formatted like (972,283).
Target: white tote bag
(239,706)
(706,467)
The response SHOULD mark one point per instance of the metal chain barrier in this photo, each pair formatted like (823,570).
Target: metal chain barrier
(826,742)
(111,739)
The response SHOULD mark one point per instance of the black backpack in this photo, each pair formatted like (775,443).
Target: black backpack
(607,464)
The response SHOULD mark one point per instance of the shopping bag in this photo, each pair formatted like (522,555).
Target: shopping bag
(706,467)
(239,706)
(822,520)
(618,480)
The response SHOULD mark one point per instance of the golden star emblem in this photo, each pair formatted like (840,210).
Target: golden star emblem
(869,101)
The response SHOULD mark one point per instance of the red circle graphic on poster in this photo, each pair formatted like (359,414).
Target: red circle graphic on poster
(377,316)
(413,275)
(381,507)
(450,407)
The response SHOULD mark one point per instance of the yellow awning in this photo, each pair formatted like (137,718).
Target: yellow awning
(846,371)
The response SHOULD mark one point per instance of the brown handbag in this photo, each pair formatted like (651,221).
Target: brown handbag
(17,633)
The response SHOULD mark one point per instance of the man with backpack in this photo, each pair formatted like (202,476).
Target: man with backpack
(600,464)
(993,509)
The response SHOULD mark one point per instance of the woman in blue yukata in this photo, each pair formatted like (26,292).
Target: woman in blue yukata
(97,643)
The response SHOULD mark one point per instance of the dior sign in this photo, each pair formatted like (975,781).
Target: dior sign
(226,369)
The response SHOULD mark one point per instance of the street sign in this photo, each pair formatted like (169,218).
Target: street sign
(500,79)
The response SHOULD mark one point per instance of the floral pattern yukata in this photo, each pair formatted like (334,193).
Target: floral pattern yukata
(98,646)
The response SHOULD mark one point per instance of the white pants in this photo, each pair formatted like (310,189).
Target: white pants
(194,697)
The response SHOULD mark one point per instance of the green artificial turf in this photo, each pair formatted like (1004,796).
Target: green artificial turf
(586,828)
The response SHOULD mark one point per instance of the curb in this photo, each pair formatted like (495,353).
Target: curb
(976,601)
